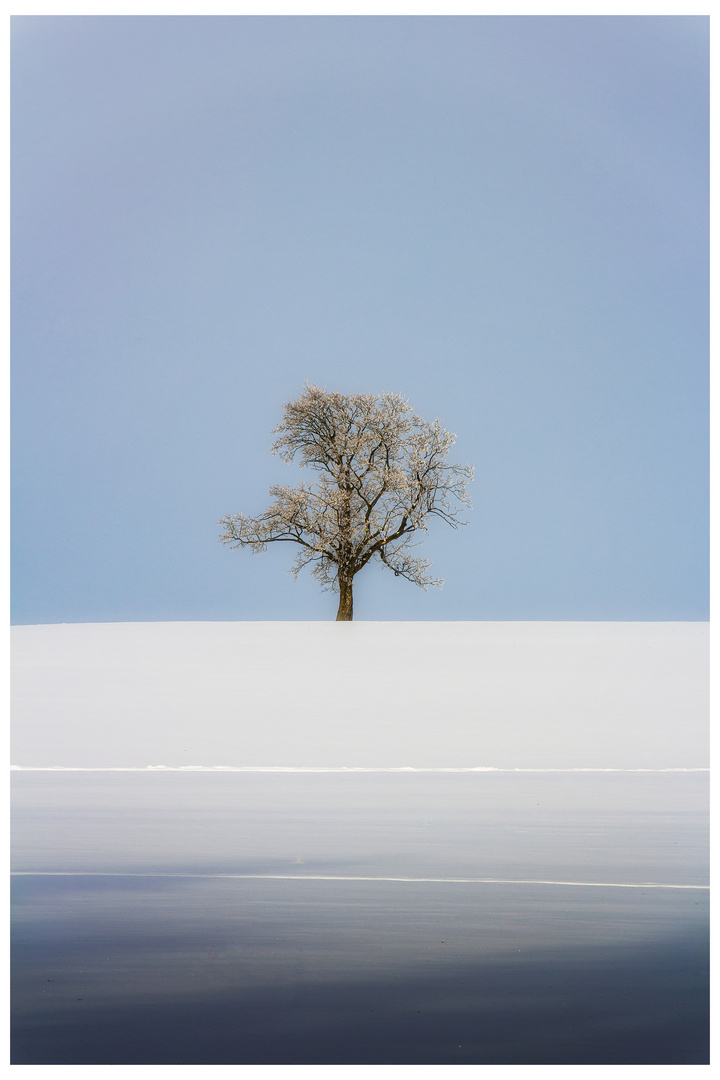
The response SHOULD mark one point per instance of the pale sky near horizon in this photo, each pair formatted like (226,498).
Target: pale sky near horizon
(504,219)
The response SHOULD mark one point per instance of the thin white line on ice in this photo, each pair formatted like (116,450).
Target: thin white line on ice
(339,877)
(316,769)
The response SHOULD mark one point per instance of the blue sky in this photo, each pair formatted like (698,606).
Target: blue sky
(503,219)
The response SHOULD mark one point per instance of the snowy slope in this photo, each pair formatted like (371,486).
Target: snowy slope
(362,694)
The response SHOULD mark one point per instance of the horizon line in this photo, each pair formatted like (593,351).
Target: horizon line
(332,622)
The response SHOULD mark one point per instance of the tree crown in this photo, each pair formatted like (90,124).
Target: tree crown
(382,473)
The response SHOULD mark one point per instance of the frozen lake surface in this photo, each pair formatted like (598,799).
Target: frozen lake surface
(257,918)
(580,827)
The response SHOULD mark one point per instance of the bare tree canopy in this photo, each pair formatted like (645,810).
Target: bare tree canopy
(382,473)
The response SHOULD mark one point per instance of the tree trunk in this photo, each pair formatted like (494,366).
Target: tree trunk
(345,608)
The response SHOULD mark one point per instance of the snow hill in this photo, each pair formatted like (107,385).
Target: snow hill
(505,695)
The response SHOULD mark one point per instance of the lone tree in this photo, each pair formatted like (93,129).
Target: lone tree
(382,474)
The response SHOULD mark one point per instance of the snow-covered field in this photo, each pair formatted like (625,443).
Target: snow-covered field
(373,695)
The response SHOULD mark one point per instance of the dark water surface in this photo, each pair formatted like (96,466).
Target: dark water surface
(152,969)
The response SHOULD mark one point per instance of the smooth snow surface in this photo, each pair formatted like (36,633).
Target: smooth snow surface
(361,695)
